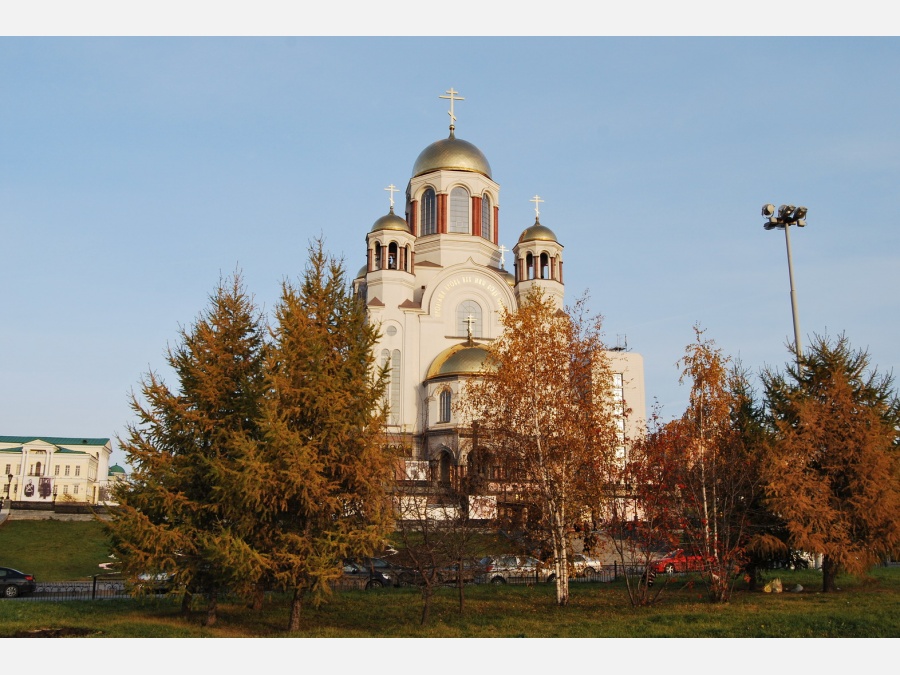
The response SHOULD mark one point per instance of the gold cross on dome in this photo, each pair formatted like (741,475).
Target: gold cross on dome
(537,201)
(453,97)
(392,189)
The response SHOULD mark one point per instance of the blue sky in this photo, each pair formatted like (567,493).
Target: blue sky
(136,171)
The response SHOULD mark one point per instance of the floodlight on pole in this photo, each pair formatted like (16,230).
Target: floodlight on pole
(788,215)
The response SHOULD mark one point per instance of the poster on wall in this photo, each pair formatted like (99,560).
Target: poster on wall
(37,489)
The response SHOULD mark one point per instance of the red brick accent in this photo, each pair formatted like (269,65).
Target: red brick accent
(476,216)
(442,213)
(496,224)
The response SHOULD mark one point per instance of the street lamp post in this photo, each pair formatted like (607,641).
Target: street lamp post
(788,215)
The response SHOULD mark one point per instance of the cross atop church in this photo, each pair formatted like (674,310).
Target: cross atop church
(470,321)
(537,201)
(502,250)
(452,95)
(392,189)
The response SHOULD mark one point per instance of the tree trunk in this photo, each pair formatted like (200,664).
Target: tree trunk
(256,602)
(296,606)
(186,601)
(426,603)
(212,609)
(829,574)
(461,585)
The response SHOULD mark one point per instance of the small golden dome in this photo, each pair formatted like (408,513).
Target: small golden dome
(390,222)
(453,154)
(537,232)
(363,271)
(509,278)
(461,359)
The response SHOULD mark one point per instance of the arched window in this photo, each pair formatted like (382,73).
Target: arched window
(545,266)
(37,469)
(444,467)
(444,413)
(486,217)
(529,266)
(429,212)
(459,211)
(392,256)
(463,312)
(378,256)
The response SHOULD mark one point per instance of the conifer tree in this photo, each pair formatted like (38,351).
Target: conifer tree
(835,471)
(326,472)
(184,509)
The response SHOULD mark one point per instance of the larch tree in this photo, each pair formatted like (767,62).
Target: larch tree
(183,510)
(835,471)
(719,475)
(324,479)
(545,413)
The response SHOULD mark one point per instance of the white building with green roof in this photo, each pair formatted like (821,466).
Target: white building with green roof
(49,469)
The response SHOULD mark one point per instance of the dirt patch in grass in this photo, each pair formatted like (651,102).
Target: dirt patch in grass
(66,631)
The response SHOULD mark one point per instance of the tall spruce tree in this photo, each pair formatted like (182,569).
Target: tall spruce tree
(325,468)
(835,470)
(184,509)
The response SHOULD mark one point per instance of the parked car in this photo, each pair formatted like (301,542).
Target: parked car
(162,582)
(14,583)
(516,568)
(679,561)
(585,564)
(449,574)
(357,576)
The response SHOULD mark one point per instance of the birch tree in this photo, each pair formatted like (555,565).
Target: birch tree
(544,412)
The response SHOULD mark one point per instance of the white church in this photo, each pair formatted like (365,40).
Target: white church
(436,282)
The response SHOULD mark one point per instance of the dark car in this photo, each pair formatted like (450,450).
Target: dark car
(357,576)
(14,583)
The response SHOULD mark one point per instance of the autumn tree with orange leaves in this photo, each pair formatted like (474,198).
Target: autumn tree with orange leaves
(544,412)
(834,474)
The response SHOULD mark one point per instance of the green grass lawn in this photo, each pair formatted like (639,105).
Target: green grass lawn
(868,609)
(54,550)
(57,551)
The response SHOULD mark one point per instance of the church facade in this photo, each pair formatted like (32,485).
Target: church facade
(436,282)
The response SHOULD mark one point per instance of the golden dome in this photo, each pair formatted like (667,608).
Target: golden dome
(390,222)
(453,154)
(508,277)
(537,232)
(462,359)
(363,271)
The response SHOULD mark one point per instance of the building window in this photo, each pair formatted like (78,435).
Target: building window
(486,217)
(65,489)
(67,469)
(463,312)
(77,470)
(429,212)
(445,406)
(56,470)
(75,490)
(459,211)
(8,470)
(31,469)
